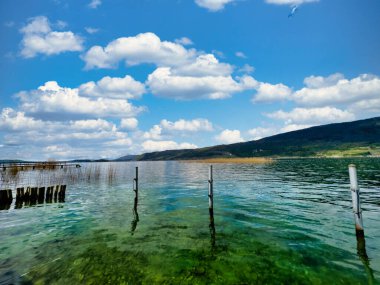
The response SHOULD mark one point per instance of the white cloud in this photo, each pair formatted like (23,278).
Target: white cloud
(155,133)
(229,136)
(38,38)
(294,127)
(335,89)
(95,4)
(247,69)
(53,100)
(92,125)
(91,30)
(204,65)
(143,48)
(289,2)
(267,92)
(315,82)
(167,128)
(129,123)
(213,5)
(12,120)
(240,54)
(184,41)
(61,24)
(113,87)
(260,132)
(195,125)
(151,146)
(162,82)
(312,116)
(180,74)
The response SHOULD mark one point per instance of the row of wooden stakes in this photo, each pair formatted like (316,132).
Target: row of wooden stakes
(32,195)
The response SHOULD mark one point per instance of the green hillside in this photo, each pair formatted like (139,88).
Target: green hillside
(358,138)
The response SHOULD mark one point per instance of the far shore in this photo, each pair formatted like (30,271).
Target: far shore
(247,160)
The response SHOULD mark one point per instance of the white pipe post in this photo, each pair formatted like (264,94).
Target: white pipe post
(210,190)
(355,192)
(136,181)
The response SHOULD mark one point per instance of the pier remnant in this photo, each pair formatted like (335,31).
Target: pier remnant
(6,199)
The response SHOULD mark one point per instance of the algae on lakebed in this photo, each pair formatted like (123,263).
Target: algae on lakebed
(235,259)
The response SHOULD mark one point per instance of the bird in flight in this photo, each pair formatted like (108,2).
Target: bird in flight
(293,11)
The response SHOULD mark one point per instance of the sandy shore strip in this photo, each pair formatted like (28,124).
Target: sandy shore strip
(241,160)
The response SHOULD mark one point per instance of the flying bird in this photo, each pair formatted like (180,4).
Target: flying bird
(293,11)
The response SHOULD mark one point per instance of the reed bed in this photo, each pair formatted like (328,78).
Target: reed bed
(13,177)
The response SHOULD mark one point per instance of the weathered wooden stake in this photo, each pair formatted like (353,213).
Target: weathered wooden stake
(62,193)
(210,190)
(355,193)
(41,195)
(56,190)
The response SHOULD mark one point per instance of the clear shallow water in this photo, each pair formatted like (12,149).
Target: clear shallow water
(289,222)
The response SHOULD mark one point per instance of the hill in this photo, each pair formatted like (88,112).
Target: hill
(358,138)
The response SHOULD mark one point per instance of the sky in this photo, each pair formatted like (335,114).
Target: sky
(108,78)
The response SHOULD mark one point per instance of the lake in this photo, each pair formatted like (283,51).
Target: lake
(286,222)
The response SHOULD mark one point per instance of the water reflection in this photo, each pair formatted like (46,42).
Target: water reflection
(212,228)
(135,215)
(362,253)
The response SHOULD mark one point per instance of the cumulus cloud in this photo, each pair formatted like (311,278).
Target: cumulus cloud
(151,146)
(162,82)
(213,5)
(289,2)
(246,68)
(113,87)
(312,116)
(181,125)
(167,128)
(229,136)
(23,135)
(181,73)
(143,48)
(129,123)
(261,132)
(53,100)
(17,121)
(267,92)
(38,38)
(336,89)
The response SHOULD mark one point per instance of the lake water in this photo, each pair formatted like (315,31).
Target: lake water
(288,222)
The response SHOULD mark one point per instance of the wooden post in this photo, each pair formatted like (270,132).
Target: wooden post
(355,193)
(56,190)
(41,195)
(62,193)
(5,199)
(210,190)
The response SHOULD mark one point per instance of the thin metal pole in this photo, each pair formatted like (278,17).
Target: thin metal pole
(355,193)
(136,181)
(210,190)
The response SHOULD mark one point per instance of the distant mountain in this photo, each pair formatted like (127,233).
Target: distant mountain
(358,138)
(127,158)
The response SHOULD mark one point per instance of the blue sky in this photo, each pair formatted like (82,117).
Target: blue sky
(106,78)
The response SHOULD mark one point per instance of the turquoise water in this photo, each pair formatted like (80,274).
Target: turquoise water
(288,222)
